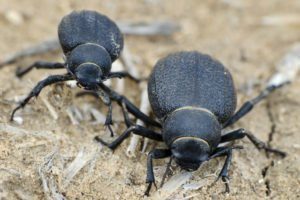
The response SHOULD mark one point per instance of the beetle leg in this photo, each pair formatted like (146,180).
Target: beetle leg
(241,133)
(106,100)
(39,65)
(248,106)
(87,92)
(139,114)
(127,120)
(136,129)
(154,154)
(122,74)
(166,172)
(123,106)
(130,106)
(108,121)
(38,88)
(227,151)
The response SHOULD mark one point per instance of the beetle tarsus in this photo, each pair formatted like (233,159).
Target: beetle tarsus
(148,189)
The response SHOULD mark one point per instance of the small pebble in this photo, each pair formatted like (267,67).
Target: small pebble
(71,84)
(261,181)
(14,17)
(18,120)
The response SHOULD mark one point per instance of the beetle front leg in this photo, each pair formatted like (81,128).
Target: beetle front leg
(220,152)
(38,88)
(154,154)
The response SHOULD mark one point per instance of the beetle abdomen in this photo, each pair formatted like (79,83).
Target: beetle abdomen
(90,27)
(191,79)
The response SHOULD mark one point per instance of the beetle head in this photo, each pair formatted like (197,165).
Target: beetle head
(88,75)
(190,153)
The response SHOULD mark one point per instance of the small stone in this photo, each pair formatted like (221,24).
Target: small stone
(18,120)
(14,17)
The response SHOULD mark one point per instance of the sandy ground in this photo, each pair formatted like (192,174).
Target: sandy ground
(43,148)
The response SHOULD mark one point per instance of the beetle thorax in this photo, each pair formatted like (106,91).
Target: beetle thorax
(89,53)
(192,134)
(192,122)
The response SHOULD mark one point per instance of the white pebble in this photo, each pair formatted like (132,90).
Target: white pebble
(14,17)
(18,120)
(71,83)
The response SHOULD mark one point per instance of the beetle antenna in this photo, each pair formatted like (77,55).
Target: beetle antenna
(166,172)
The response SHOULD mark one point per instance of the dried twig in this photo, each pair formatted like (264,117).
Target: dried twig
(281,20)
(127,60)
(145,108)
(288,67)
(100,118)
(12,172)
(43,47)
(172,185)
(120,82)
(49,186)
(149,29)
(84,156)
(4,127)
(74,115)
(50,108)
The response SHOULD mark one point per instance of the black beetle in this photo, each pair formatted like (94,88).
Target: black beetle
(194,97)
(90,42)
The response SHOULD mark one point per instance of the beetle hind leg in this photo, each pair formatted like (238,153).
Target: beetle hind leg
(249,105)
(241,133)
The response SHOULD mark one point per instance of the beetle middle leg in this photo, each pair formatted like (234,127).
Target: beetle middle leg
(38,88)
(125,103)
(39,65)
(106,100)
(154,154)
(136,129)
(248,106)
(130,106)
(241,133)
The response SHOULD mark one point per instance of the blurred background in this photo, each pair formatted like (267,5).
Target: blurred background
(248,37)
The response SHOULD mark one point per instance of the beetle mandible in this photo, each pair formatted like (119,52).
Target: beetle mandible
(91,42)
(194,97)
